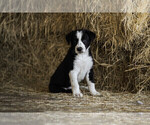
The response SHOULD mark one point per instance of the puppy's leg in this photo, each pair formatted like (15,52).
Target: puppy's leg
(74,83)
(90,82)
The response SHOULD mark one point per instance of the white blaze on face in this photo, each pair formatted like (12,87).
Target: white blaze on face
(80,43)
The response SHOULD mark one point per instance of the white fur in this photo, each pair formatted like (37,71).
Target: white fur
(80,43)
(68,88)
(91,86)
(82,65)
(74,83)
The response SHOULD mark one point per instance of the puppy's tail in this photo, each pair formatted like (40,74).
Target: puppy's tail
(84,87)
(55,89)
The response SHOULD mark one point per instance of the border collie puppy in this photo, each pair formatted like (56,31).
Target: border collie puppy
(77,65)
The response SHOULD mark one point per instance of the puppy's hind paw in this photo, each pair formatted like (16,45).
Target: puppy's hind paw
(95,93)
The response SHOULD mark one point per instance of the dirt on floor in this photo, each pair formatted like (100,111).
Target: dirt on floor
(21,106)
(18,99)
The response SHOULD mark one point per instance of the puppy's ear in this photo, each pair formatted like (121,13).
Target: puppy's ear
(69,37)
(91,35)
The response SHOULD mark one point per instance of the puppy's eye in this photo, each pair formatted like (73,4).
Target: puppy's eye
(84,41)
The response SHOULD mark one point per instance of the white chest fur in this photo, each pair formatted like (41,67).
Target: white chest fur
(82,64)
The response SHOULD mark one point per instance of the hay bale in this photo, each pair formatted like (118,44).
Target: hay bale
(33,45)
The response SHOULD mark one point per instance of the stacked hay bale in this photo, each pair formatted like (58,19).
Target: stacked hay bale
(121,51)
(33,45)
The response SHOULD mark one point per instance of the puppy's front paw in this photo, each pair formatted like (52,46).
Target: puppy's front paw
(77,94)
(95,93)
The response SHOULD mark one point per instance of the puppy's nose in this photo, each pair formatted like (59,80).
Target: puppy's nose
(79,49)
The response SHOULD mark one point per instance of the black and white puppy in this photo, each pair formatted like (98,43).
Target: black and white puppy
(77,65)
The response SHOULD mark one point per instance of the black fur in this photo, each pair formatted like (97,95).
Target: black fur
(60,79)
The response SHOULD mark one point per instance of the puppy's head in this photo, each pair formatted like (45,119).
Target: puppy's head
(80,40)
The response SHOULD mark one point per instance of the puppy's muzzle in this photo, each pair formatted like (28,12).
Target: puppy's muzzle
(79,49)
